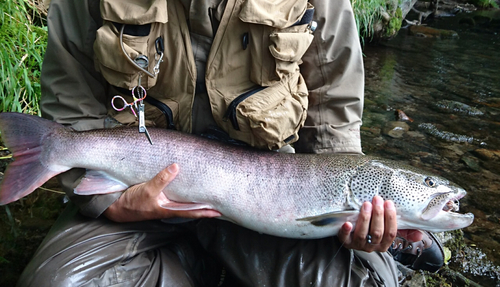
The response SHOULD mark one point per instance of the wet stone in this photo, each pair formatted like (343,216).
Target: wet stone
(457,107)
(453,151)
(487,154)
(395,129)
(428,32)
(417,280)
(494,219)
(471,162)
(415,134)
(370,131)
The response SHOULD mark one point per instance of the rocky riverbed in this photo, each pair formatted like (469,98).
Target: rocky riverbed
(434,102)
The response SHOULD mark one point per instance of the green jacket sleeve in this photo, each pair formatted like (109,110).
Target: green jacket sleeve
(72,91)
(333,71)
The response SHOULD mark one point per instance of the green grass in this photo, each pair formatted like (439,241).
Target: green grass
(366,14)
(23,38)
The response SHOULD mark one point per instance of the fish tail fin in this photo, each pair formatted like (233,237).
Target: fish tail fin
(24,136)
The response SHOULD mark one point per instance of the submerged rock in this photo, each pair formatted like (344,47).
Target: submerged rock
(449,136)
(457,107)
(489,155)
(396,129)
(471,162)
(428,32)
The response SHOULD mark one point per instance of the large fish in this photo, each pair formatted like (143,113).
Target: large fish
(288,195)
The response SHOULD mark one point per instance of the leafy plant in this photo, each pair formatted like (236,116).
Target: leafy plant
(23,37)
(366,14)
(485,3)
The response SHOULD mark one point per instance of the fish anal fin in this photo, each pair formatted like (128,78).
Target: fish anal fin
(332,218)
(173,205)
(98,182)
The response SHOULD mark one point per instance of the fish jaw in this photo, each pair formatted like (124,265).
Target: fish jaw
(439,215)
(443,221)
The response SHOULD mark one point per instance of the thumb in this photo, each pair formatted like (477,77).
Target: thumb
(158,183)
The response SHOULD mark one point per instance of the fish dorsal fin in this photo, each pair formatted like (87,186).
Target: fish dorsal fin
(98,182)
(332,218)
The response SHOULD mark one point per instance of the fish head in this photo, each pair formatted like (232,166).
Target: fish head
(423,201)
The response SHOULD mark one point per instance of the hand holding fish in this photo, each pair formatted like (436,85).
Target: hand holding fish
(142,201)
(378,220)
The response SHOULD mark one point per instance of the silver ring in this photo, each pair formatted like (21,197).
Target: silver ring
(369,239)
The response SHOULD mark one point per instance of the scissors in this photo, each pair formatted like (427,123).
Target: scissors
(139,107)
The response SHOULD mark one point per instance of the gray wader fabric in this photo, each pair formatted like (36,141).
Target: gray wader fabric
(97,252)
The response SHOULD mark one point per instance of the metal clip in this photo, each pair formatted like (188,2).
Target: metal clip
(160,48)
(313,26)
(142,124)
(142,61)
(159,59)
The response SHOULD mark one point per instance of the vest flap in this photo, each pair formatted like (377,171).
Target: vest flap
(278,14)
(135,12)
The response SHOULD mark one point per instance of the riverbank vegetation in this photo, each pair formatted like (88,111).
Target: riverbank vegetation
(23,37)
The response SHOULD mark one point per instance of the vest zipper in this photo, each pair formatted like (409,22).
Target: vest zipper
(167,112)
(231,110)
(169,116)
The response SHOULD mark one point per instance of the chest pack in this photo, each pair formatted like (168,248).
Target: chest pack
(252,78)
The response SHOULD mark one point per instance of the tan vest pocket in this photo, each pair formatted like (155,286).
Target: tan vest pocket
(267,117)
(141,22)
(287,49)
(271,115)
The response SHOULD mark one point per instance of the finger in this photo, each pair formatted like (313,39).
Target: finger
(411,235)
(377,220)
(162,179)
(391,225)
(344,234)
(362,225)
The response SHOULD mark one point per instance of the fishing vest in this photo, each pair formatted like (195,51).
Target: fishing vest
(256,92)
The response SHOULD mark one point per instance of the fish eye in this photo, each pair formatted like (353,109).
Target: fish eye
(430,182)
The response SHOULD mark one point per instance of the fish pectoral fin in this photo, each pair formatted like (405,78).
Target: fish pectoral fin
(332,218)
(98,182)
(173,205)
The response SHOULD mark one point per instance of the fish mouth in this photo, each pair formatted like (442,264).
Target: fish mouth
(453,204)
(441,212)
(447,202)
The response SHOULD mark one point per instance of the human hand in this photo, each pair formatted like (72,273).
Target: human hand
(142,202)
(378,219)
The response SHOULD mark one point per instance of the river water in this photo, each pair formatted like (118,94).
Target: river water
(450,90)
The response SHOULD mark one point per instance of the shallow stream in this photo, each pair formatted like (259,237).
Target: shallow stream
(450,91)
